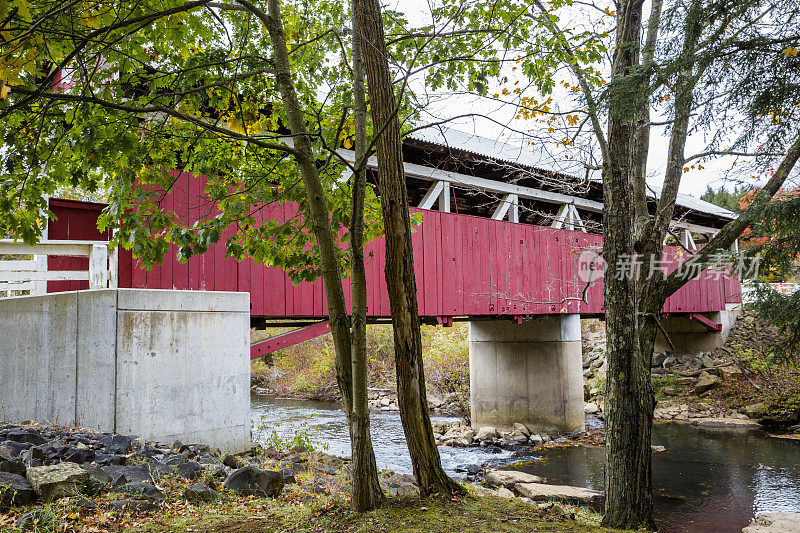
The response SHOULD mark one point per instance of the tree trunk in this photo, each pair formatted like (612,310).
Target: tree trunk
(367,493)
(366,490)
(400,281)
(629,397)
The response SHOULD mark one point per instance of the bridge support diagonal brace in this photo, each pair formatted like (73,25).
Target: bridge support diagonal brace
(707,322)
(289,339)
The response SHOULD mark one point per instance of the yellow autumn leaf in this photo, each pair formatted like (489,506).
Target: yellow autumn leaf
(789,52)
(4,90)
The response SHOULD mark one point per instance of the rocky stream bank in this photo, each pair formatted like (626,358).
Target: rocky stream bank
(73,479)
(119,473)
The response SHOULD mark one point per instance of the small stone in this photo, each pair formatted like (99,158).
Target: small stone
(669,362)
(535,440)
(116,444)
(505,493)
(34,456)
(591,408)
(79,455)
(189,470)
(57,481)
(15,490)
(487,432)
(200,492)
(705,361)
(86,504)
(522,428)
(7,454)
(706,382)
(121,474)
(658,359)
(518,437)
(234,461)
(249,481)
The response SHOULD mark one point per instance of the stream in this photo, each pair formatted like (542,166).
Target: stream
(706,480)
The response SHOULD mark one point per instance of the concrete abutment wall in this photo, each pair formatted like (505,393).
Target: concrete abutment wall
(159,364)
(529,373)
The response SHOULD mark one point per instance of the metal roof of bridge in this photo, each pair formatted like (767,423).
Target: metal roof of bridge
(521,154)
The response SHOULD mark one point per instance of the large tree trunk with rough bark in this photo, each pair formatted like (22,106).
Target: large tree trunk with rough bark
(400,281)
(629,398)
(633,302)
(350,352)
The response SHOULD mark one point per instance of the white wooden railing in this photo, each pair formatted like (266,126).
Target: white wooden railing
(31,275)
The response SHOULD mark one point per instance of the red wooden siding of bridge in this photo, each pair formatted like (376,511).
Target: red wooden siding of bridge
(465,266)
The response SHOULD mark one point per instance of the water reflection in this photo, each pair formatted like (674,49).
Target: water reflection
(706,480)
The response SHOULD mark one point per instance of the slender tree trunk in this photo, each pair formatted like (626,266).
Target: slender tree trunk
(643,126)
(629,398)
(367,494)
(400,281)
(366,490)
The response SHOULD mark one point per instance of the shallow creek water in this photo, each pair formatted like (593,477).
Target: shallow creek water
(706,480)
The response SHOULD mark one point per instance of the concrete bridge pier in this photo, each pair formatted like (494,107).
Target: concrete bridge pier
(692,335)
(528,373)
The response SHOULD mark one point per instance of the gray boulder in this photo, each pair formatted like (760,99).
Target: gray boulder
(508,478)
(200,492)
(30,436)
(15,490)
(116,444)
(250,481)
(189,470)
(486,433)
(125,474)
(15,466)
(143,490)
(541,492)
(57,481)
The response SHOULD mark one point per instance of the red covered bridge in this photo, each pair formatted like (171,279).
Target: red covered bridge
(468,263)
(503,243)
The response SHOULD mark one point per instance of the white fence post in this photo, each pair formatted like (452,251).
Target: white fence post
(98,271)
(39,287)
(113,268)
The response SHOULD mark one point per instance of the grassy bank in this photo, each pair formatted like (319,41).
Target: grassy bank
(298,508)
(307,370)
(299,512)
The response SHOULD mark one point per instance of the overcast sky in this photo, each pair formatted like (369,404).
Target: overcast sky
(714,173)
